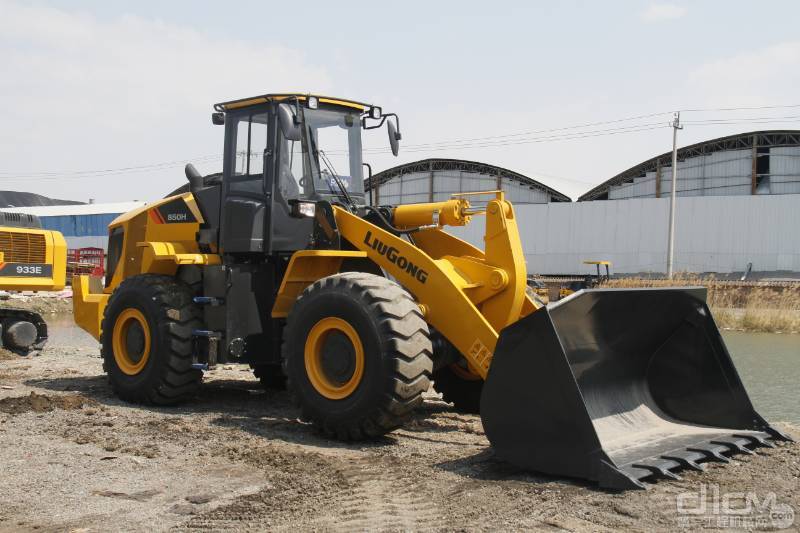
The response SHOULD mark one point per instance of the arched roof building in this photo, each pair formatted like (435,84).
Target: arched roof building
(753,163)
(433,180)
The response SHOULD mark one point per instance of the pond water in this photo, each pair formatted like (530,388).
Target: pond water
(769,366)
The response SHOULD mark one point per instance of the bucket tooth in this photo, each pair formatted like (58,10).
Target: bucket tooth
(687,459)
(761,438)
(713,452)
(615,478)
(659,466)
(778,435)
(736,444)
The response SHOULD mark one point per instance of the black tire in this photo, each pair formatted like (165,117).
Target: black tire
(463,393)
(270,376)
(396,352)
(167,376)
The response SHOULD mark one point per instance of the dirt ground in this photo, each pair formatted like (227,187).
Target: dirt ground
(45,303)
(74,458)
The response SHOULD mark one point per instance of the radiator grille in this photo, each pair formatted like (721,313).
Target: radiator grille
(22,247)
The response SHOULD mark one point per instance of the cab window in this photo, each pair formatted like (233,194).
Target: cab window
(293,171)
(251,142)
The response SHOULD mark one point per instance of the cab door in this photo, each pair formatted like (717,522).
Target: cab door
(246,197)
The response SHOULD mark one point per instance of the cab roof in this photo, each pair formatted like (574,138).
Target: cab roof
(277,97)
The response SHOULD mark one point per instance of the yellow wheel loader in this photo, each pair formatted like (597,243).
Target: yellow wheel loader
(31,259)
(279,263)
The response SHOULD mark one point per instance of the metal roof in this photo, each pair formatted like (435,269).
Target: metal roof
(277,97)
(81,209)
(761,139)
(428,165)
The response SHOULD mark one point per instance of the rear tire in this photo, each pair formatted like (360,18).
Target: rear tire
(147,343)
(357,354)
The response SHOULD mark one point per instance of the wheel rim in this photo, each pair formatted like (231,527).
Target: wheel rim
(131,341)
(334,358)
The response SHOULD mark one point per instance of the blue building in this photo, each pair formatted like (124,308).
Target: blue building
(84,225)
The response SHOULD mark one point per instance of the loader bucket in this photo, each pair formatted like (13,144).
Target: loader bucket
(618,385)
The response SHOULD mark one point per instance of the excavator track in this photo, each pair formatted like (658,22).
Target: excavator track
(12,316)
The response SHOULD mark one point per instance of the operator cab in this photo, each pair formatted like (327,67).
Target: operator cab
(284,151)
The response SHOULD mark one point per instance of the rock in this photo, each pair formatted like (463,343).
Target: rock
(198,499)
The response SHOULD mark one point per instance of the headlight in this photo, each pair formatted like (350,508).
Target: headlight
(300,209)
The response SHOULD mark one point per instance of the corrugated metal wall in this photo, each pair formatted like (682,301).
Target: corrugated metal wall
(713,234)
(81,231)
(79,225)
(727,173)
(415,187)
(784,168)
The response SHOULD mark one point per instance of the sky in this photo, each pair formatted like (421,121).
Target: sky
(109,99)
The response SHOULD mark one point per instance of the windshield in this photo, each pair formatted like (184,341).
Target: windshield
(331,146)
(335,149)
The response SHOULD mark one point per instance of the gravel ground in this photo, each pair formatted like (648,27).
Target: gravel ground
(74,458)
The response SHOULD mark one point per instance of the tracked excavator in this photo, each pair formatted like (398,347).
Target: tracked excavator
(31,259)
(281,263)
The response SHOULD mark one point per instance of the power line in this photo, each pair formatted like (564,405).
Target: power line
(592,124)
(535,140)
(709,109)
(510,142)
(550,130)
(743,120)
(87,173)
(492,141)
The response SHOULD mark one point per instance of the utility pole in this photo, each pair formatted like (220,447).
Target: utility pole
(676,125)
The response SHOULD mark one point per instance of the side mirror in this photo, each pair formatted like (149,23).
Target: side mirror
(218,119)
(289,126)
(394,136)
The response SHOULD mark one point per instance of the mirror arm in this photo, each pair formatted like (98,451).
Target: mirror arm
(374,126)
(381,121)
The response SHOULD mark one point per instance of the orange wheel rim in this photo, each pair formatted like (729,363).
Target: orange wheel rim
(129,360)
(330,384)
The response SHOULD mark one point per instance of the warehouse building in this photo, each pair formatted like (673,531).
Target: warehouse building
(83,225)
(738,210)
(434,180)
(755,163)
(718,234)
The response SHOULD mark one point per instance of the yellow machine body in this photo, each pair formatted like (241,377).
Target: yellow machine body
(154,239)
(467,294)
(32,259)
(610,385)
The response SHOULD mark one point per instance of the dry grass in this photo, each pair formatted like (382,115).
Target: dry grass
(747,306)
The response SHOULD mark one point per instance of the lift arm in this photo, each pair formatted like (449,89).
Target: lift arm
(466,294)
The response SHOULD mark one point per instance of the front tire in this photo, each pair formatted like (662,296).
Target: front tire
(357,354)
(147,343)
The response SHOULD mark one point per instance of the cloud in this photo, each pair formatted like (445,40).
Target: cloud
(658,12)
(766,76)
(84,93)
